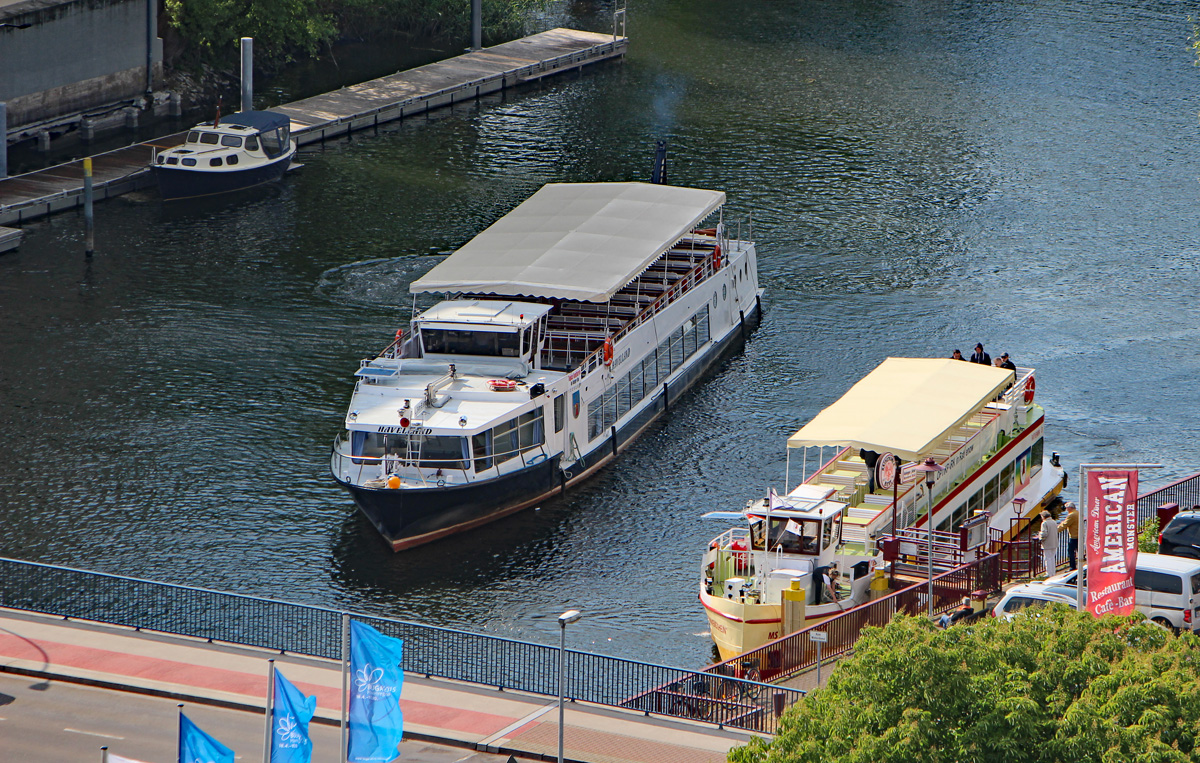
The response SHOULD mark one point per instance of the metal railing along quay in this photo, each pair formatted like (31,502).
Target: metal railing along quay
(429,650)
(1184,492)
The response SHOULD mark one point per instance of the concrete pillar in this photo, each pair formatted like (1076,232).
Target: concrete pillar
(476,24)
(151,34)
(175,105)
(247,74)
(3,139)
(87,130)
(131,118)
(43,140)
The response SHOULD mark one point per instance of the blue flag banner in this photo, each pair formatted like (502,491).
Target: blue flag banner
(195,746)
(376,723)
(289,723)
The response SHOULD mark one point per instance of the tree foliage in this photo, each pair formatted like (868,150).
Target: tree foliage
(1058,686)
(287,29)
(1148,536)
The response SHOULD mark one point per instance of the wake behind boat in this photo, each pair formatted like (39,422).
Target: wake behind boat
(240,151)
(979,422)
(575,320)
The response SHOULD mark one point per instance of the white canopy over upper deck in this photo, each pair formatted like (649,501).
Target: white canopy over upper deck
(580,241)
(905,406)
(481,314)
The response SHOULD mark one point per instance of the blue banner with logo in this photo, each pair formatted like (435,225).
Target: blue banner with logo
(195,746)
(376,723)
(289,723)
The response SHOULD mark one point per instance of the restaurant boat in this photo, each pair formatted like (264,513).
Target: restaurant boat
(233,153)
(571,323)
(978,422)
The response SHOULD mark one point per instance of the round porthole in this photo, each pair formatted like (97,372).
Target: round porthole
(714,299)
(723,289)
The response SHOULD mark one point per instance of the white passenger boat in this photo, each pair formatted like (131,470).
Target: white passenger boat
(979,422)
(572,323)
(240,151)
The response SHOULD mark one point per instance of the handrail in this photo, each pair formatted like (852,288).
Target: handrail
(315,630)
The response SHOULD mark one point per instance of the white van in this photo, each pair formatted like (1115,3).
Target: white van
(1168,589)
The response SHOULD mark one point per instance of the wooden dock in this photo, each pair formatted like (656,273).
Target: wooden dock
(462,78)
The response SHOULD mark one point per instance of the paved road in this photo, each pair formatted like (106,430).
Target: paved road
(56,721)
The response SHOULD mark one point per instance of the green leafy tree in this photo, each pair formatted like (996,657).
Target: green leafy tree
(1057,686)
(282,29)
(1148,536)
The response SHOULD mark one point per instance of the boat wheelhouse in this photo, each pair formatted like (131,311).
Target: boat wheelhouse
(571,323)
(240,151)
(978,422)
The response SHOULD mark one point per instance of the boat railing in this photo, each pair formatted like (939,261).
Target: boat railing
(529,456)
(797,652)
(701,272)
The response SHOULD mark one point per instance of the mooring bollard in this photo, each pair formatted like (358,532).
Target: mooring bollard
(43,140)
(88,221)
(87,130)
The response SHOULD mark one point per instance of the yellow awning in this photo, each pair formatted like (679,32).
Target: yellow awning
(905,406)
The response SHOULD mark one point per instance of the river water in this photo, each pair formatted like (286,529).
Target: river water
(921,176)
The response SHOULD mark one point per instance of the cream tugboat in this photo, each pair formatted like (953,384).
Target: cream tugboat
(978,422)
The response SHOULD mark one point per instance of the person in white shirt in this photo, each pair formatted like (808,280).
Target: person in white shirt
(1048,535)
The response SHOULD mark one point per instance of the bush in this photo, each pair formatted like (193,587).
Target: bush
(1057,686)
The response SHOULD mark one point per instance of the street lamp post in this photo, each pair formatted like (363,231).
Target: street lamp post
(931,469)
(566,617)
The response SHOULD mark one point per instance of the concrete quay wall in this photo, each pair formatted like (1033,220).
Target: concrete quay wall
(76,55)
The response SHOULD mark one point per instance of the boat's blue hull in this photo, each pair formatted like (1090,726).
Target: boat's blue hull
(178,183)
(411,517)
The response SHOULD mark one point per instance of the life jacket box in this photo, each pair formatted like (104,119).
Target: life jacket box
(733,587)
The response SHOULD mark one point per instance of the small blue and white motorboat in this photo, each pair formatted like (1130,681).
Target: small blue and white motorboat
(242,150)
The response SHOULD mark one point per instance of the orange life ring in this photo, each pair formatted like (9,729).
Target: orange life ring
(502,385)
(608,351)
(1030,387)
(399,335)
(717,257)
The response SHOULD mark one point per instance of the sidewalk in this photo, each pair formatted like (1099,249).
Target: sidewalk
(479,718)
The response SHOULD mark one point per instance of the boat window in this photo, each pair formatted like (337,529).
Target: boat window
(560,412)
(172,160)
(802,538)
(252,143)
(990,493)
(189,162)
(193,137)
(826,533)
(518,435)
(1035,457)
(215,162)
(232,159)
(231,141)
(456,342)
(526,340)
(210,138)
(434,451)
(482,445)
(271,143)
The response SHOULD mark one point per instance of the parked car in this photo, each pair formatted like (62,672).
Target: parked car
(1027,595)
(1168,589)
(1181,536)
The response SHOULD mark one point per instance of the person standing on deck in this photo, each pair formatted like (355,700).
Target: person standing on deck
(979,356)
(1071,525)
(1006,363)
(1048,535)
(956,355)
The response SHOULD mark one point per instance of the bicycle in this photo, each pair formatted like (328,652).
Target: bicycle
(692,704)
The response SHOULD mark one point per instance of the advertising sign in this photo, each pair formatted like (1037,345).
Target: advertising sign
(1111,541)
